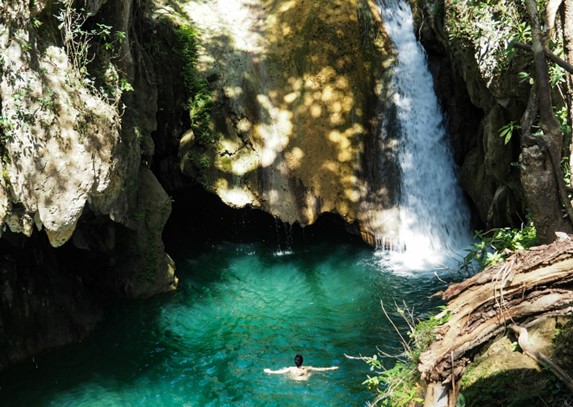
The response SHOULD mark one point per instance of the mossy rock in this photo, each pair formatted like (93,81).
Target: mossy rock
(563,346)
(502,375)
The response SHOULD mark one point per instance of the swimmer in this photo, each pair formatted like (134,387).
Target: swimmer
(299,372)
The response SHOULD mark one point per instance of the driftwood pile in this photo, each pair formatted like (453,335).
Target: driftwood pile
(528,286)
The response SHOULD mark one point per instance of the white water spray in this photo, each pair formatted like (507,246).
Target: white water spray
(434,218)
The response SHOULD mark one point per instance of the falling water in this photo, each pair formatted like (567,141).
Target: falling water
(285,238)
(434,218)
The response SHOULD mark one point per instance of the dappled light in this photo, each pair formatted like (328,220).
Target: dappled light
(297,91)
(240,197)
(273,133)
(60,141)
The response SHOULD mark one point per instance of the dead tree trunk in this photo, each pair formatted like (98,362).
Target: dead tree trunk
(529,285)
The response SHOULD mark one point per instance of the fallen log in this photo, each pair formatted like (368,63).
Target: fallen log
(529,285)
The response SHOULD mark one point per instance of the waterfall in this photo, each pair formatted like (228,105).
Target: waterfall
(434,218)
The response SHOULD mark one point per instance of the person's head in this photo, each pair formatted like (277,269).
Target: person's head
(298,360)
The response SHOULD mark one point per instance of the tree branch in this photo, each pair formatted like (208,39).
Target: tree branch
(548,54)
(537,284)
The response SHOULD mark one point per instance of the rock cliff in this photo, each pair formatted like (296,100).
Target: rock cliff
(72,136)
(299,90)
(94,128)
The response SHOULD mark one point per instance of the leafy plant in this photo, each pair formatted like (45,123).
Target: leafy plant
(561,115)
(495,245)
(522,31)
(199,102)
(506,131)
(6,129)
(488,27)
(398,386)
(78,39)
(525,77)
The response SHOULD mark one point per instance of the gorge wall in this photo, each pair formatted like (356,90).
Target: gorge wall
(73,178)
(91,151)
(301,90)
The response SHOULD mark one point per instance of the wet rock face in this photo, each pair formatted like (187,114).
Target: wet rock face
(300,89)
(480,95)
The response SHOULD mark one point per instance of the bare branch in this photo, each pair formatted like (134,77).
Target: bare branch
(550,55)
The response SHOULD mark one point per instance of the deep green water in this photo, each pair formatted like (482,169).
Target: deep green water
(239,308)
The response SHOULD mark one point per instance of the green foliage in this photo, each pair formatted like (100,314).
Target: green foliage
(46,102)
(489,27)
(125,86)
(526,77)
(522,32)
(561,116)
(6,130)
(398,385)
(506,131)
(495,245)
(78,39)
(200,159)
(200,102)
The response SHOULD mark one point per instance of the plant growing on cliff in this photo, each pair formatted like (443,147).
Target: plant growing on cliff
(199,102)
(495,245)
(490,27)
(78,40)
(6,130)
(506,131)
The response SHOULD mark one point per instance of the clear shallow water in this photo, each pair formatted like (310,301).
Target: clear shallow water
(239,308)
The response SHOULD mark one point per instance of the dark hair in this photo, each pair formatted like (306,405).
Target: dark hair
(298,360)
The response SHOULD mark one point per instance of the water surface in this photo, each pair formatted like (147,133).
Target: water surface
(239,308)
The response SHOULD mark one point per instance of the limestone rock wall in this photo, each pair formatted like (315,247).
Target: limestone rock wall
(81,214)
(68,145)
(58,138)
(299,88)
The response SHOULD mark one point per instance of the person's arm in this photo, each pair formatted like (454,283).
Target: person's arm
(280,371)
(320,369)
